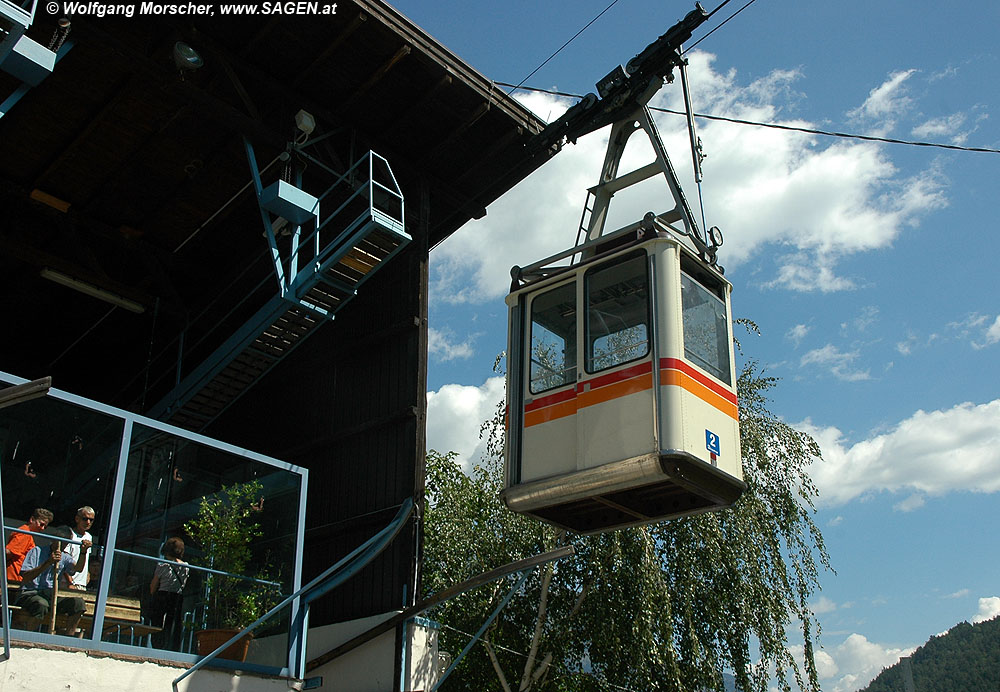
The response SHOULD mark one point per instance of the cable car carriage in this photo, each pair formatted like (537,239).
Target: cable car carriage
(621,391)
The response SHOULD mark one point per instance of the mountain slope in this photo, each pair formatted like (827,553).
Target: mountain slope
(965,659)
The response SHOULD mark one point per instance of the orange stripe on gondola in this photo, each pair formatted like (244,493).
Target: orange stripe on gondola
(615,377)
(701,378)
(550,413)
(608,392)
(632,380)
(545,401)
(588,393)
(677,378)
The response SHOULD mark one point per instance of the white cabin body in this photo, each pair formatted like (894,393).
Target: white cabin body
(621,391)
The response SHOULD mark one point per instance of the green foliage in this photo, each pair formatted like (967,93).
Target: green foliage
(965,659)
(226,528)
(664,607)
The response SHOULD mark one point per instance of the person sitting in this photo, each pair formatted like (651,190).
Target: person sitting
(37,576)
(21,543)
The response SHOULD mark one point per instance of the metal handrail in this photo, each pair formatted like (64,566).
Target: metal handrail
(332,577)
(198,568)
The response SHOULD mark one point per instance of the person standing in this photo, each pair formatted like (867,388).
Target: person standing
(81,532)
(21,543)
(167,590)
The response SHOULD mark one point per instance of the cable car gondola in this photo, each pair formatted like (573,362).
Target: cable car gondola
(621,393)
(621,390)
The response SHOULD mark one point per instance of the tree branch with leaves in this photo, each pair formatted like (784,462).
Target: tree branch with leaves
(670,606)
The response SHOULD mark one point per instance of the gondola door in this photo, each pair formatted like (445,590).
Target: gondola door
(615,393)
(548,350)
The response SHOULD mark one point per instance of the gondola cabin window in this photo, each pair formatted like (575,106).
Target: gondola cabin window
(706,329)
(617,329)
(553,339)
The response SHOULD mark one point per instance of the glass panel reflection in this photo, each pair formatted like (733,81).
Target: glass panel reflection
(206,539)
(205,535)
(706,329)
(58,463)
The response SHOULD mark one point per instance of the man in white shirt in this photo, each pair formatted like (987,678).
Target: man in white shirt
(81,532)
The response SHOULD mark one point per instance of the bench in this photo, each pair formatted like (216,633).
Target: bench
(122,618)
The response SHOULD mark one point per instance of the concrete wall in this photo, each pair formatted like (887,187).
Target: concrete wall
(39,669)
(372,667)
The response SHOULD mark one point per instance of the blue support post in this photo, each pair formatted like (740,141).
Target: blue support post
(24,88)
(107,569)
(4,598)
(268,231)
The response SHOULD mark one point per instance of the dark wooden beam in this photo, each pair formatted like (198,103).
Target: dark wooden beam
(120,90)
(341,36)
(376,76)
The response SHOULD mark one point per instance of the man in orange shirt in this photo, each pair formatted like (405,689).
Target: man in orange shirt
(20,543)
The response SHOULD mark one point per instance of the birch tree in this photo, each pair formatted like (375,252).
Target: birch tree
(671,606)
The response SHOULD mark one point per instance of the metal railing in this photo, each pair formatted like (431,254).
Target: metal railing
(127,447)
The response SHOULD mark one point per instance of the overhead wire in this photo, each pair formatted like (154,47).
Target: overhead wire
(559,50)
(833,133)
(790,128)
(515,87)
(739,121)
(721,24)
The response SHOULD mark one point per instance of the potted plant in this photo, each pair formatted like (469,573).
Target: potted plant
(225,528)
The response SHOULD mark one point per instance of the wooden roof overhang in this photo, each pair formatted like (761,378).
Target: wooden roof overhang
(127,174)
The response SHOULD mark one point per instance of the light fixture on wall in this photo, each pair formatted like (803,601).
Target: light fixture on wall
(186,58)
(91,290)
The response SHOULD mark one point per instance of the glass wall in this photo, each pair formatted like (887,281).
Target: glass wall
(188,534)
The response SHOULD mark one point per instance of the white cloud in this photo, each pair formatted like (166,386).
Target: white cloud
(823,605)
(856,662)
(989,608)
(810,203)
(837,362)
(930,453)
(826,667)
(441,346)
(961,593)
(537,218)
(990,336)
(913,502)
(803,271)
(945,127)
(978,329)
(455,413)
(906,347)
(865,319)
(797,333)
(885,103)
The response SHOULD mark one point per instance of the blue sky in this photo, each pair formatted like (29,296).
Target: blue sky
(869,268)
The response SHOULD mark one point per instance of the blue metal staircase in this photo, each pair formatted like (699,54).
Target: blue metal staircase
(320,275)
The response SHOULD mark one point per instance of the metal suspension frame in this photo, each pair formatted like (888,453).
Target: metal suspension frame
(624,95)
(599,197)
(592,238)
